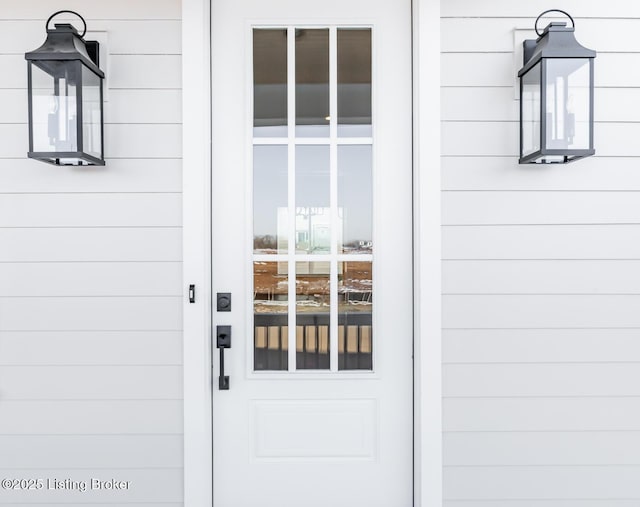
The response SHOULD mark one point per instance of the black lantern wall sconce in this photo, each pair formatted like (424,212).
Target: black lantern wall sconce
(65,98)
(556,96)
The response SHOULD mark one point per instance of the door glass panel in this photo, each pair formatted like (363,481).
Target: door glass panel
(313,212)
(270,308)
(312,82)
(354,82)
(355,198)
(355,303)
(270,83)
(270,178)
(312,315)
(313,202)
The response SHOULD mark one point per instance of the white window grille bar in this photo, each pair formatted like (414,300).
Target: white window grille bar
(291,203)
(333,192)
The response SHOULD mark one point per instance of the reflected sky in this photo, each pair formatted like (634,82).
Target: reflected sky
(312,188)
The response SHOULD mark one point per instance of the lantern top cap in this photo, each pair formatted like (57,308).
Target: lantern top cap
(557,41)
(554,26)
(63,27)
(64,43)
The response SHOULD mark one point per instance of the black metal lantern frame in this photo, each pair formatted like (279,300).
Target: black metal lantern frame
(556,96)
(65,89)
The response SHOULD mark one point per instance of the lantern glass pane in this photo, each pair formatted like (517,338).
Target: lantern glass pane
(91,113)
(530,117)
(568,104)
(54,107)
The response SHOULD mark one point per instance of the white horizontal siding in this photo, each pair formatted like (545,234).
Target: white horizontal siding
(97,210)
(504,173)
(540,345)
(79,348)
(554,482)
(143,141)
(91,382)
(488,208)
(64,279)
(539,414)
(541,242)
(140,175)
(541,277)
(84,417)
(91,314)
(541,341)
(90,270)
(544,448)
(524,380)
(145,71)
(130,36)
(540,311)
(90,244)
(142,106)
(94,451)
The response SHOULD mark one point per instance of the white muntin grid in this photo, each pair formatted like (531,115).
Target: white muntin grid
(291,257)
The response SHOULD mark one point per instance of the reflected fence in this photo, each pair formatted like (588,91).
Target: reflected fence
(271,342)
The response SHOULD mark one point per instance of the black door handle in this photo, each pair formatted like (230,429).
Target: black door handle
(223,341)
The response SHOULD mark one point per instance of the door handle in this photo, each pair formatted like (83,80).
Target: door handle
(223,341)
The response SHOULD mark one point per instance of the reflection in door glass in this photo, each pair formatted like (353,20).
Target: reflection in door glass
(355,303)
(355,198)
(312,199)
(269,199)
(270,316)
(312,82)
(270,82)
(313,214)
(312,315)
(354,82)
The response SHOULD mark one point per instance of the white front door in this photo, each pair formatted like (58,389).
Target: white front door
(312,237)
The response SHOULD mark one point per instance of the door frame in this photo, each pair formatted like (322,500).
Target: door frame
(196,195)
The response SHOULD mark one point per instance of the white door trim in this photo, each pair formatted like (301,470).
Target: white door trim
(196,110)
(196,250)
(427,255)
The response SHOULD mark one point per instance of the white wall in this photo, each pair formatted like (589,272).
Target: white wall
(91,272)
(541,284)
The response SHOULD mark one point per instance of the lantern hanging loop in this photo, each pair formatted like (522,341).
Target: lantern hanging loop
(573,23)
(70,12)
